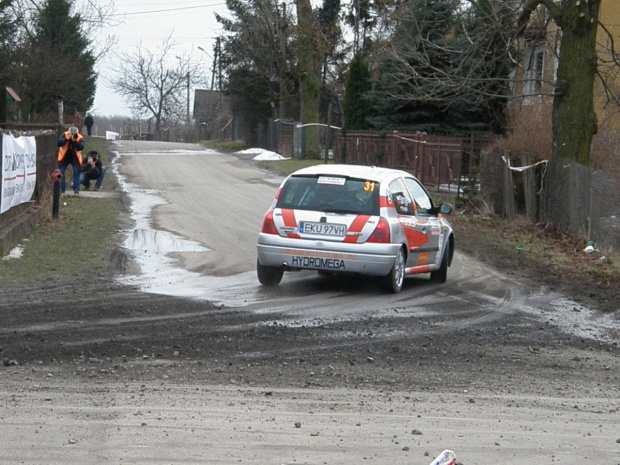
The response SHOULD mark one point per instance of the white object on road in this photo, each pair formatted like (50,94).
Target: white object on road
(110,135)
(447,457)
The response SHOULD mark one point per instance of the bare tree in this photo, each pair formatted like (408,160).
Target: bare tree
(154,84)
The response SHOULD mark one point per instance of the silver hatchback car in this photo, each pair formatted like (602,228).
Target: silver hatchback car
(355,219)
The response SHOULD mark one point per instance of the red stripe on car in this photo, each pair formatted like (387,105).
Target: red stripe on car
(356,228)
(288,216)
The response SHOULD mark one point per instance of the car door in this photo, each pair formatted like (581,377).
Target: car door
(416,229)
(427,223)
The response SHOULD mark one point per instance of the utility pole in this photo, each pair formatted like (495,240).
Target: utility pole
(328,133)
(219,70)
(282,108)
(188,120)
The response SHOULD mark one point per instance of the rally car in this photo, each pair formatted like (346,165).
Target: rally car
(355,219)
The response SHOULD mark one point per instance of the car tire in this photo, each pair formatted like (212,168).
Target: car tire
(269,275)
(441,275)
(397,274)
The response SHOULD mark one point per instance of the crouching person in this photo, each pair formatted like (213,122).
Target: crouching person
(92,170)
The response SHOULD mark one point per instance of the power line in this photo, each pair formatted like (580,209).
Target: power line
(168,10)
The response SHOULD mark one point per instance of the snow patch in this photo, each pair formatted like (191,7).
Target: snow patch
(262,154)
(15,253)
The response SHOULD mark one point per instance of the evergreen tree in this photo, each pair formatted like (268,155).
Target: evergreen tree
(415,90)
(488,67)
(258,44)
(59,63)
(356,106)
(248,93)
(7,41)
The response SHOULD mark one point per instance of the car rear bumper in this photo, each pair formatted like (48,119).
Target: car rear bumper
(369,259)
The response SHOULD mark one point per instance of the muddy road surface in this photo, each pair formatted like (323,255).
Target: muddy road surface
(185,358)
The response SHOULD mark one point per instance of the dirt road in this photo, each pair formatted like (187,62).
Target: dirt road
(186,359)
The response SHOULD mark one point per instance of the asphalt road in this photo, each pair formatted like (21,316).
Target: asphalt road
(187,359)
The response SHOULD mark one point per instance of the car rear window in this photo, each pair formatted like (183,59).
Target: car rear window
(330,194)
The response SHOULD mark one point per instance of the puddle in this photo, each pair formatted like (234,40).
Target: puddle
(151,248)
(152,241)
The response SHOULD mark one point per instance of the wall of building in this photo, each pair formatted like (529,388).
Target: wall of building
(607,110)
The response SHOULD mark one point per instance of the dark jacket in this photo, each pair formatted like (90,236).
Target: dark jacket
(89,121)
(92,172)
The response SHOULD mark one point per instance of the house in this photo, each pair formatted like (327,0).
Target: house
(534,77)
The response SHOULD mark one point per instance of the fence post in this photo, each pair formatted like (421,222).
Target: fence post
(509,190)
(438,165)
(56,177)
(328,132)
(422,154)
(529,186)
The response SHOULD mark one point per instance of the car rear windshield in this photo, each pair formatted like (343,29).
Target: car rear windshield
(326,193)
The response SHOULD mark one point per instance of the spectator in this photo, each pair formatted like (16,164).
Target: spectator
(70,146)
(92,170)
(77,119)
(89,122)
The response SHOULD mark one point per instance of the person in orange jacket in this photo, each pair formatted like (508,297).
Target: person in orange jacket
(70,146)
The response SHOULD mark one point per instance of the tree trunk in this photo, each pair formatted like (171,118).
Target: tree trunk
(574,119)
(566,188)
(309,76)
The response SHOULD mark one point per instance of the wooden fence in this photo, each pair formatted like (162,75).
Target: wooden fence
(439,162)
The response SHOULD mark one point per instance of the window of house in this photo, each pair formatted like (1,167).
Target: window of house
(535,71)
(538,70)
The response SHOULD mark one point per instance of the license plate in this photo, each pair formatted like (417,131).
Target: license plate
(324,229)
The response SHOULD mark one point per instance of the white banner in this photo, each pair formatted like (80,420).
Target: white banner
(19,170)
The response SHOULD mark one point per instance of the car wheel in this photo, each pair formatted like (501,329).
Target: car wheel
(397,275)
(269,275)
(441,275)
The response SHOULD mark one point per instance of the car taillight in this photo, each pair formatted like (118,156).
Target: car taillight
(381,233)
(269,227)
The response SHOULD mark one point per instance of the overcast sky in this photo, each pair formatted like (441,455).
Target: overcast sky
(191,22)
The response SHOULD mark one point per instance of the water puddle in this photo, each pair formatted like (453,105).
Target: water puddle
(152,249)
(152,241)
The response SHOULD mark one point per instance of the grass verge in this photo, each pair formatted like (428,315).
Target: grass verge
(226,146)
(76,244)
(286,167)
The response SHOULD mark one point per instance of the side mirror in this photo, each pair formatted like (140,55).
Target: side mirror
(445,208)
